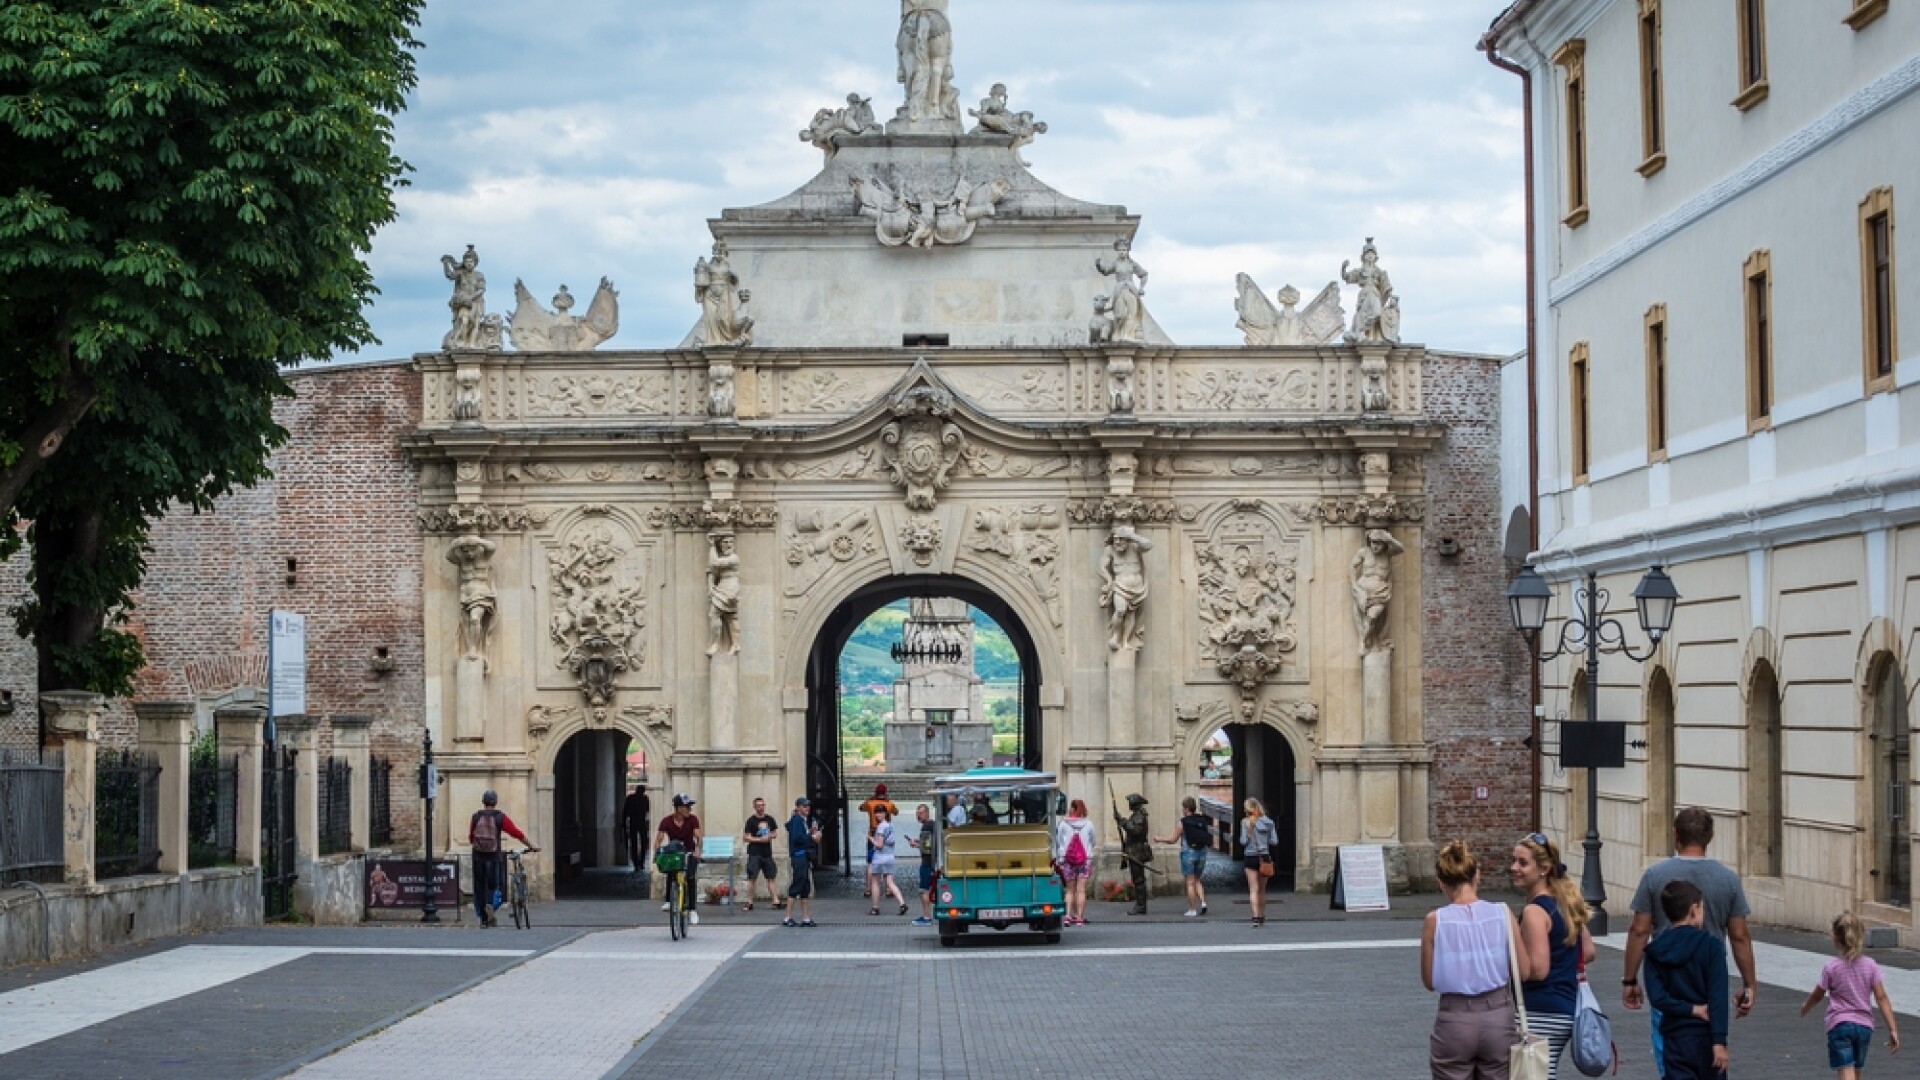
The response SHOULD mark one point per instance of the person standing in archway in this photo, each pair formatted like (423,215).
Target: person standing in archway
(635,815)
(803,847)
(1195,836)
(880,867)
(1259,838)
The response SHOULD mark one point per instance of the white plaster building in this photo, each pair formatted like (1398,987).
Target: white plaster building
(1719,386)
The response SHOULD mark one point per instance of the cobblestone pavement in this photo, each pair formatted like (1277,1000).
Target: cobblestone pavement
(1313,994)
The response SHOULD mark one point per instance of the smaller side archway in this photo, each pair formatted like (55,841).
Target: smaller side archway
(1888,848)
(1272,760)
(1663,772)
(1765,793)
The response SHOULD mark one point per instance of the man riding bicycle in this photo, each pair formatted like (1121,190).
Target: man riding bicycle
(683,826)
(484,831)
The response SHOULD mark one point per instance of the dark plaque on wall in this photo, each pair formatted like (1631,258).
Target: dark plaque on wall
(1593,744)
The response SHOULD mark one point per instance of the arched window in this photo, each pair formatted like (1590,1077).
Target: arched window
(1575,779)
(1890,858)
(1765,797)
(1662,786)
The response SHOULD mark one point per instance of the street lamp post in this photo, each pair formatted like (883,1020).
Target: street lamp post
(1655,599)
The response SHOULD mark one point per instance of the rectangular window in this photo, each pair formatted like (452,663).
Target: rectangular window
(1580,402)
(1572,57)
(1877,324)
(1752,33)
(1657,383)
(1653,136)
(1864,12)
(1758,274)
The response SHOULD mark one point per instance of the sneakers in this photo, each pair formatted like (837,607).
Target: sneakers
(666,906)
(922,921)
(1203,909)
(1191,914)
(903,909)
(693,918)
(788,922)
(808,922)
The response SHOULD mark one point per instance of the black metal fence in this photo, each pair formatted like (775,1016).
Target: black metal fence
(213,803)
(336,807)
(126,812)
(277,866)
(32,804)
(379,802)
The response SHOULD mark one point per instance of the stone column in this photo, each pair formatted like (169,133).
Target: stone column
(239,729)
(166,733)
(73,717)
(300,735)
(353,740)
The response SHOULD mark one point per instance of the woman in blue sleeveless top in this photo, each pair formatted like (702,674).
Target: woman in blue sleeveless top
(1554,944)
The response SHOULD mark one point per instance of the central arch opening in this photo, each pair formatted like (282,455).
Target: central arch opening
(959,722)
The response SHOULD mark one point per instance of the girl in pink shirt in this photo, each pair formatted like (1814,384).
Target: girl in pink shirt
(1852,985)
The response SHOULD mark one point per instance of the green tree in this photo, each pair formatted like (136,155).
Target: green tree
(190,189)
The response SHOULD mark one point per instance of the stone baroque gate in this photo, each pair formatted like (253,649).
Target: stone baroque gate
(649,541)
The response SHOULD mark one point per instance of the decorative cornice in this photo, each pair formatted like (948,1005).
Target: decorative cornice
(460,518)
(1129,510)
(708,516)
(1368,510)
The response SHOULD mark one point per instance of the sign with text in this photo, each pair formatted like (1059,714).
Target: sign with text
(287,663)
(402,883)
(1360,878)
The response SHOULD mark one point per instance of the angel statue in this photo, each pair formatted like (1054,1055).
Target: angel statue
(995,118)
(855,119)
(1129,284)
(895,221)
(1320,323)
(535,329)
(1372,324)
(955,219)
(717,288)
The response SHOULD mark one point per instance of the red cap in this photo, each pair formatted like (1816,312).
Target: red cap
(879,789)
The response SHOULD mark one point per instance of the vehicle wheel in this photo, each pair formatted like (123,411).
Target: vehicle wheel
(1053,937)
(947,939)
(673,909)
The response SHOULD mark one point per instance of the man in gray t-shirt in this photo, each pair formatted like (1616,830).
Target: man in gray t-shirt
(1723,898)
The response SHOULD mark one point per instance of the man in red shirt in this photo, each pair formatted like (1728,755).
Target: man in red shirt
(484,831)
(681,825)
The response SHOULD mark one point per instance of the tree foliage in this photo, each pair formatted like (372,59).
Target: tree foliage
(189,193)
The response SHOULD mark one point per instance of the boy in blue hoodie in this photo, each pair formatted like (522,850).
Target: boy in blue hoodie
(1687,987)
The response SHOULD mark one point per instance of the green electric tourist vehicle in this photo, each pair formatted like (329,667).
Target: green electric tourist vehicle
(997,869)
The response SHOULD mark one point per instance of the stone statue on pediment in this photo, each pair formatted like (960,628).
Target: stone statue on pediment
(1100,327)
(925,45)
(1129,286)
(1376,310)
(856,118)
(995,118)
(717,289)
(468,303)
(535,329)
(1321,321)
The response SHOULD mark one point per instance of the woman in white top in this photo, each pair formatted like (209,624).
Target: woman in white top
(881,871)
(1463,955)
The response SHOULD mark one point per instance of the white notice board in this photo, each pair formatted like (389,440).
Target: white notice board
(287,664)
(1360,878)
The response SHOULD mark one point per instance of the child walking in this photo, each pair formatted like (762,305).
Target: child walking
(1852,985)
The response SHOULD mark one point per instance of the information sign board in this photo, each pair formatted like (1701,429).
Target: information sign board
(402,883)
(287,664)
(1360,878)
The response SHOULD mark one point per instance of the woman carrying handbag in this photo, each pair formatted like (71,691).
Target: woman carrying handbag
(1467,953)
(1259,838)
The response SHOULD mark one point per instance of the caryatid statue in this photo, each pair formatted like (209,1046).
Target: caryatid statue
(723,595)
(1129,285)
(1372,573)
(474,557)
(925,44)
(1123,588)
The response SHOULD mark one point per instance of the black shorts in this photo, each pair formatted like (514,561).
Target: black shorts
(763,866)
(801,884)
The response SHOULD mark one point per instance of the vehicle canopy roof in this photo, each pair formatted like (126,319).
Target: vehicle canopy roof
(976,781)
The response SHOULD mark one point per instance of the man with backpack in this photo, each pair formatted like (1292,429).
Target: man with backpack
(483,835)
(1195,836)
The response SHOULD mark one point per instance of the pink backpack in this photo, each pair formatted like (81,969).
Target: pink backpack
(1076,854)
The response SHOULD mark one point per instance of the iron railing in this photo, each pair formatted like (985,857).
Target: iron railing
(277,865)
(379,802)
(213,803)
(336,807)
(32,803)
(126,812)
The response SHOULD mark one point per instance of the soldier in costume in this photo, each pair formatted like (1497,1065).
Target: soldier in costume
(1135,848)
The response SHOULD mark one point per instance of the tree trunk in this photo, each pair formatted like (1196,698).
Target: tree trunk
(66,550)
(44,434)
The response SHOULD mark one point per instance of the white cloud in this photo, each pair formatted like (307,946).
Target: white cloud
(1268,136)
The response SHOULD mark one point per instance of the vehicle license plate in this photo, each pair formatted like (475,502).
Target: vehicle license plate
(1002,913)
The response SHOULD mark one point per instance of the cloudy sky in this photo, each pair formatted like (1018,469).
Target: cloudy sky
(571,139)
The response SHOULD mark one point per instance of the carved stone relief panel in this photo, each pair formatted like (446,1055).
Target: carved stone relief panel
(860,463)
(819,391)
(1028,539)
(980,460)
(819,538)
(542,719)
(597,604)
(1243,389)
(1247,599)
(574,394)
(1029,389)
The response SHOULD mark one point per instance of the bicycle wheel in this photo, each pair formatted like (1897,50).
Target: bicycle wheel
(674,923)
(522,919)
(685,905)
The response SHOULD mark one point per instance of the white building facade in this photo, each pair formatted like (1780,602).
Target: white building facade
(1719,386)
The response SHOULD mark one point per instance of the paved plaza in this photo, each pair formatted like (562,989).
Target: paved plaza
(1313,994)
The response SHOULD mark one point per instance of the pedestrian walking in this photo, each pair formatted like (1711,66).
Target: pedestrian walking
(1136,847)
(803,847)
(1554,943)
(1852,985)
(1074,843)
(484,830)
(1195,837)
(683,827)
(1725,911)
(924,845)
(758,834)
(1463,957)
(1687,987)
(1259,838)
(635,815)
(880,868)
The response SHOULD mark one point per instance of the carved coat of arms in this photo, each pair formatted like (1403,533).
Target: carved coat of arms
(921,447)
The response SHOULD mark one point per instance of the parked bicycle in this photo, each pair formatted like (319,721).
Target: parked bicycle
(516,897)
(672,861)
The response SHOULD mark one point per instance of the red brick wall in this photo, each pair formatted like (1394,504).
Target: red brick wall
(342,504)
(1476,688)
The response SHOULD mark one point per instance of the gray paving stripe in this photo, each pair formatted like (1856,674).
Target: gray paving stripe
(252,1026)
